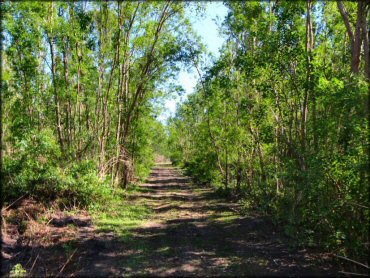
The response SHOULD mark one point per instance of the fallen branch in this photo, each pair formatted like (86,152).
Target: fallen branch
(51,219)
(4,209)
(29,217)
(358,205)
(33,265)
(352,273)
(347,259)
(69,259)
(235,210)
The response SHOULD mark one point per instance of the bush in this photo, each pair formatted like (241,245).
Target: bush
(37,169)
(32,167)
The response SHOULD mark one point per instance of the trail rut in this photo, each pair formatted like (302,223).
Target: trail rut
(191,232)
(195,233)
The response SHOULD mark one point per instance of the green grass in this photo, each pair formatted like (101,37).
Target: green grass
(117,214)
(133,188)
(227,219)
(165,249)
(225,216)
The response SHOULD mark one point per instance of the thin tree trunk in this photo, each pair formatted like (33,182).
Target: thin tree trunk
(66,78)
(141,87)
(355,37)
(51,41)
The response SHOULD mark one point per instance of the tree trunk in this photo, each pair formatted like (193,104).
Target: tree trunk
(51,41)
(69,108)
(355,37)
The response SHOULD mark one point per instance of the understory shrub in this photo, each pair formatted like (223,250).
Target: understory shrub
(37,169)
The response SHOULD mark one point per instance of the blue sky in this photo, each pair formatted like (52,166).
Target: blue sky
(207,28)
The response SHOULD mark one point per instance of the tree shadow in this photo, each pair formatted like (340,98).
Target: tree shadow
(180,247)
(212,240)
(171,184)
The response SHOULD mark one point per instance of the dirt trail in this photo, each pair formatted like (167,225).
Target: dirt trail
(193,233)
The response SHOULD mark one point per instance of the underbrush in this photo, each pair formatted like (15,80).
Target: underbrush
(72,185)
(324,208)
(36,168)
(202,173)
(35,172)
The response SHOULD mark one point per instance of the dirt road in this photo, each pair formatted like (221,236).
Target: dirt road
(192,232)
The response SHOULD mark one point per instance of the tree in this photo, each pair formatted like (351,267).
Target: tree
(279,118)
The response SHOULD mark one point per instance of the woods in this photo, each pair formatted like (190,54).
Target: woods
(80,85)
(281,118)
(278,123)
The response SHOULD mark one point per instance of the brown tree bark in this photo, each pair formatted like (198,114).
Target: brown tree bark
(123,90)
(354,36)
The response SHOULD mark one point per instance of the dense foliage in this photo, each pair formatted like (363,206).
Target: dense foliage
(81,82)
(281,118)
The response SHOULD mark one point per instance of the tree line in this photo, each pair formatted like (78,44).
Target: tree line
(281,118)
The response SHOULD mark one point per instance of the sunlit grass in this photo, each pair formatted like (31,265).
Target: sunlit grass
(225,216)
(117,214)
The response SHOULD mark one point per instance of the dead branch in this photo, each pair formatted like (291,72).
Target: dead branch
(34,263)
(4,209)
(69,259)
(353,273)
(347,259)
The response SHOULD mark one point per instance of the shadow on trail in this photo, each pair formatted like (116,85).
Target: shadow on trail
(201,235)
(172,184)
(192,234)
(165,208)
